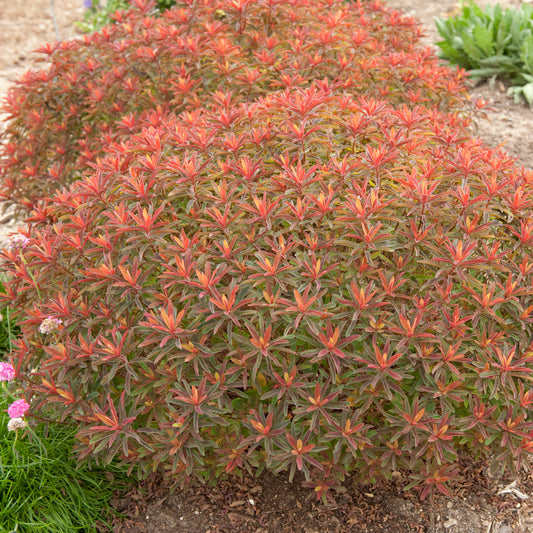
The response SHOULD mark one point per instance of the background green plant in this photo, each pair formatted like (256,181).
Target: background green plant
(492,43)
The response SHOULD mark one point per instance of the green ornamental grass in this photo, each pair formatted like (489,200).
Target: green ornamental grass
(41,490)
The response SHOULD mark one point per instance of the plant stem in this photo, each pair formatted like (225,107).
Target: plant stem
(56,28)
(9,334)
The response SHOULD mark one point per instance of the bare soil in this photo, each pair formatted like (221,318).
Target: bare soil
(270,504)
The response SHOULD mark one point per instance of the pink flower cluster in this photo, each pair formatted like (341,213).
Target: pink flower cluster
(7,372)
(17,241)
(18,409)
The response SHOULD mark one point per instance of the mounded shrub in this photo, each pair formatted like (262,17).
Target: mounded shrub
(94,91)
(326,283)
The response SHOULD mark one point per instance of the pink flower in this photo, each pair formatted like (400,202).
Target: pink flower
(17,241)
(7,372)
(18,409)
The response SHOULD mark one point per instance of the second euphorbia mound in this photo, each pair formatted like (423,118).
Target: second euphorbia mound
(95,91)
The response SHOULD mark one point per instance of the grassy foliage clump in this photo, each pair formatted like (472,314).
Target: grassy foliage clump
(41,490)
(41,487)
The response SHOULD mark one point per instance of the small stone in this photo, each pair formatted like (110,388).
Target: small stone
(506,529)
(450,522)
(449,505)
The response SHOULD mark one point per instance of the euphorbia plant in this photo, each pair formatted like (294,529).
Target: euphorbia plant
(321,282)
(94,91)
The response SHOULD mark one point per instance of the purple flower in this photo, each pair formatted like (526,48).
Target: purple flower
(18,409)
(7,372)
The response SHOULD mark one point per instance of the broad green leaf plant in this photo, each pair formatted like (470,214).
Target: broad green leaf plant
(493,43)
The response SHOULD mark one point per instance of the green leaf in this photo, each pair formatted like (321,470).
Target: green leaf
(454,55)
(502,33)
(483,39)
(526,54)
(470,46)
(499,60)
(484,73)
(443,27)
(527,91)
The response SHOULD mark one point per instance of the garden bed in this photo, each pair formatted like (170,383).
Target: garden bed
(271,504)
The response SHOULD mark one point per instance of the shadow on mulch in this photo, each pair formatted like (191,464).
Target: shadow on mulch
(271,504)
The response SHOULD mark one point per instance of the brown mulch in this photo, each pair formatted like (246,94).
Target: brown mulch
(272,504)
